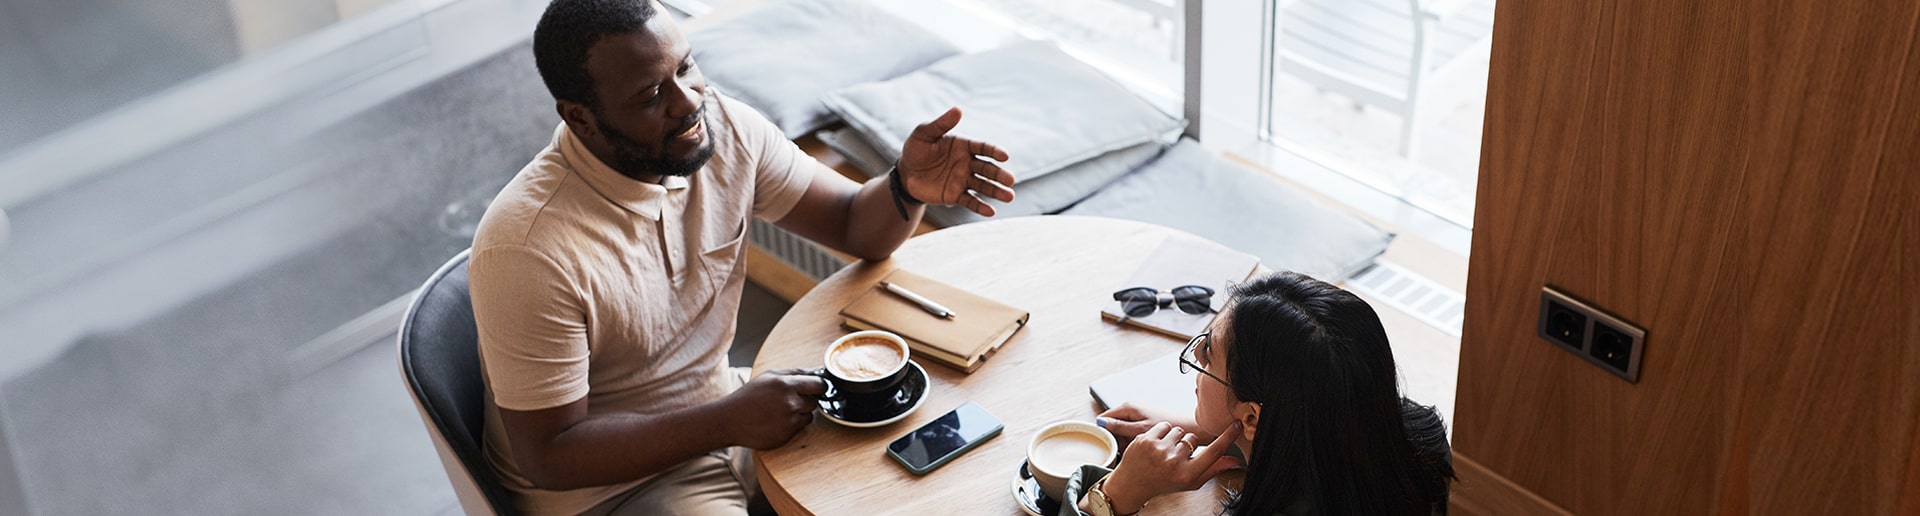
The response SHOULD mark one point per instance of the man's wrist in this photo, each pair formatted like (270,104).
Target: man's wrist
(714,416)
(897,187)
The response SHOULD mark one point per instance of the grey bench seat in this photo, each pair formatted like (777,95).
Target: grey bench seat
(1188,188)
(1196,190)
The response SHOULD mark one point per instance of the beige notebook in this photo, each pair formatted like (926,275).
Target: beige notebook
(1179,261)
(978,328)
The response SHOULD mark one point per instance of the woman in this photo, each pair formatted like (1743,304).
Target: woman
(1299,373)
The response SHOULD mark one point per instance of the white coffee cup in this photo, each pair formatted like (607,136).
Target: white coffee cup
(1061,448)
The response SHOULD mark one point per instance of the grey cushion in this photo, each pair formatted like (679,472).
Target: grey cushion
(1046,195)
(782,58)
(851,145)
(1198,191)
(1047,109)
(1057,191)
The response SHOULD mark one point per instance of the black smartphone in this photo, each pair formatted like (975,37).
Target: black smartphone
(944,438)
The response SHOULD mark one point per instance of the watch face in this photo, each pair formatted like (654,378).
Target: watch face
(1101,504)
(1099,500)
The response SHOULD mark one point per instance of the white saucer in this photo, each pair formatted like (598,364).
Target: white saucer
(912,393)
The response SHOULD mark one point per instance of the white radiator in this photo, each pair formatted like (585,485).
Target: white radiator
(1414,294)
(797,252)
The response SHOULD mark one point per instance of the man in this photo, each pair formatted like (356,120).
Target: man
(606,276)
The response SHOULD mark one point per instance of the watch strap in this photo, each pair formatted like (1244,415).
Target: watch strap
(1101,504)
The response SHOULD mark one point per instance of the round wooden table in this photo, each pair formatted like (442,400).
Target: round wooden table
(1061,269)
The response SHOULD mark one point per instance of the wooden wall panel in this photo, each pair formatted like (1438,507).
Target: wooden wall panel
(1738,179)
(1830,403)
(1578,191)
(1478,491)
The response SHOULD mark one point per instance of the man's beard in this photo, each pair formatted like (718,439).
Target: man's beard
(631,159)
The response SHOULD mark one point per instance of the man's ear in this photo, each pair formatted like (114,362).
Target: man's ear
(1248,414)
(578,118)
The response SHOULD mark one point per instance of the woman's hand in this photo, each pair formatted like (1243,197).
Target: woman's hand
(1165,460)
(1130,420)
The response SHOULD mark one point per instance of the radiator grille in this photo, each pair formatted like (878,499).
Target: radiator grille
(1431,303)
(797,252)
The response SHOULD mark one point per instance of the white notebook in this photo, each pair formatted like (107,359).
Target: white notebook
(1156,383)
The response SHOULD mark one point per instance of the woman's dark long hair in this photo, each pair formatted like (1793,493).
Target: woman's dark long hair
(1334,435)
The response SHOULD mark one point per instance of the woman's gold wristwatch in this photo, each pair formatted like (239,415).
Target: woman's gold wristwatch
(1100,503)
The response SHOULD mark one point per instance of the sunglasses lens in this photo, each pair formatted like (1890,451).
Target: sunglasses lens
(1138,307)
(1193,299)
(1138,301)
(1134,293)
(1192,290)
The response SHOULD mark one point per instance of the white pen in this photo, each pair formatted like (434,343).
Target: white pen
(925,304)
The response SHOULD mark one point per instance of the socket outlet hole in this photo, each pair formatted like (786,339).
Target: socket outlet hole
(1566,325)
(1612,347)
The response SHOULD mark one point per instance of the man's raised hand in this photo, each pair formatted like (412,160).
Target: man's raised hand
(939,168)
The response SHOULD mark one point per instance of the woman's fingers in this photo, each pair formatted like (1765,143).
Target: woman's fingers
(1196,466)
(1122,427)
(1158,431)
(1218,448)
(1127,411)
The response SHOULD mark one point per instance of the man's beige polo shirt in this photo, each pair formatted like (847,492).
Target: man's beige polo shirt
(590,284)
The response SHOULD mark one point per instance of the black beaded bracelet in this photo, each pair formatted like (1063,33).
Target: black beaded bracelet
(900,196)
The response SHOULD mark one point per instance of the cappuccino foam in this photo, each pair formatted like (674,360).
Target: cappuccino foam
(1066,451)
(866,358)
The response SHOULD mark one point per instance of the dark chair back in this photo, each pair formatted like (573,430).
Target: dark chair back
(440,357)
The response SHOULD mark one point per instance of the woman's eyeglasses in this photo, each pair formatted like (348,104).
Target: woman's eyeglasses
(1189,360)
(1143,301)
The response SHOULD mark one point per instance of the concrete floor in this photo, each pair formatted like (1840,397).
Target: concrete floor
(221,428)
(206,407)
(202,407)
(158,315)
(759,311)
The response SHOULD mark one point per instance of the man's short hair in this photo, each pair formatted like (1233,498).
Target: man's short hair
(568,29)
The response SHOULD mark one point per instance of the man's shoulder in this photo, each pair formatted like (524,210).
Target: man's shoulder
(733,109)
(529,206)
(745,126)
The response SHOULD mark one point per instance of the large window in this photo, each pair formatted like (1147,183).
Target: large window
(1137,41)
(67,62)
(1376,103)
(1387,92)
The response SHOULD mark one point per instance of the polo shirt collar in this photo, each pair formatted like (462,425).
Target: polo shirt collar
(642,198)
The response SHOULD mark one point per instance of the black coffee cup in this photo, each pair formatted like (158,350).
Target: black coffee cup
(842,383)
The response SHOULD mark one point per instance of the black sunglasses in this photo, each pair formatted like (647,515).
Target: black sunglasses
(1143,301)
